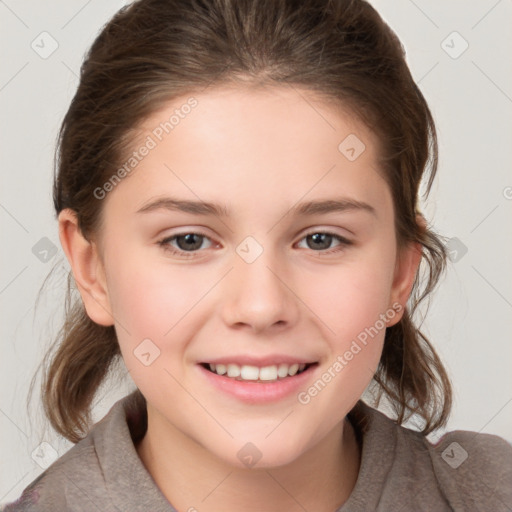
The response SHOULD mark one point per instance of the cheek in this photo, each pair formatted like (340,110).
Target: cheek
(352,302)
(156,307)
(350,298)
(353,306)
(154,301)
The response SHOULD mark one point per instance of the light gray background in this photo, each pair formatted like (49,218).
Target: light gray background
(470,95)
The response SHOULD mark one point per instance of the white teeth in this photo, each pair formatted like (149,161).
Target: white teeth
(248,372)
(221,369)
(282,371)
(294,368)
(268,373)
(233,370)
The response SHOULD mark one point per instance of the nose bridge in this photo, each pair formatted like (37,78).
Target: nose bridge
(257,293)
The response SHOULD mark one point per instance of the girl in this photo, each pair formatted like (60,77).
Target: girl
(237,196)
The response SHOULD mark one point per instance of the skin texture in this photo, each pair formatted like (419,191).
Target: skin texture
(259,152)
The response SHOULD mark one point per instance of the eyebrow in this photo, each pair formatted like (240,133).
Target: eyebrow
(303,209)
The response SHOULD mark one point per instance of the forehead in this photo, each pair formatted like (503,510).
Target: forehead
(252,144)
(271,113)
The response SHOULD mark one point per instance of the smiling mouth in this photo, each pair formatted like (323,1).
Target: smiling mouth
(270,373)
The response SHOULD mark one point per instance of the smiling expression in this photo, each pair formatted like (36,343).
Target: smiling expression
(248,237)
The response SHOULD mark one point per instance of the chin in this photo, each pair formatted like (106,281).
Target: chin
(261,455)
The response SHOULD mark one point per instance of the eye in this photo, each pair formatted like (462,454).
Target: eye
(323,239)
(187,243)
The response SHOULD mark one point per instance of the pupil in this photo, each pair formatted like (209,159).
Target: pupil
(189,239)
(317,239)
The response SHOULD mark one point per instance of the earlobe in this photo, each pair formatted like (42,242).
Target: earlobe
(87,269)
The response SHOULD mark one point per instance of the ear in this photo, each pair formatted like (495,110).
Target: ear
(87,268)
(408,261)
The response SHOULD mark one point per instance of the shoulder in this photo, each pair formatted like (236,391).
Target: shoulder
(75,472)
(83,475)
(468,470)
(474,470)
(401,468)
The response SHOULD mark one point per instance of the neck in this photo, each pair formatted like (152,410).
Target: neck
(193,479)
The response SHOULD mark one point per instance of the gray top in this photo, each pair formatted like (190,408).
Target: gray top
(400,470)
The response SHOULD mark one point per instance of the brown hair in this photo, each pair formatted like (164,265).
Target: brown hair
(155,50)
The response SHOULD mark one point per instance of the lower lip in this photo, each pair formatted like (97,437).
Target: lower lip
(259,392)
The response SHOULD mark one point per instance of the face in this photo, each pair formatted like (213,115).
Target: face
(297,267)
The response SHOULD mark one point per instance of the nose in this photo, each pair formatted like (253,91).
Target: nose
(259,296)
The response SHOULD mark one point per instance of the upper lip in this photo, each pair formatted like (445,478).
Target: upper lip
(271,360)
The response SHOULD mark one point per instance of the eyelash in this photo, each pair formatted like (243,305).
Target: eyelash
(164,243)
